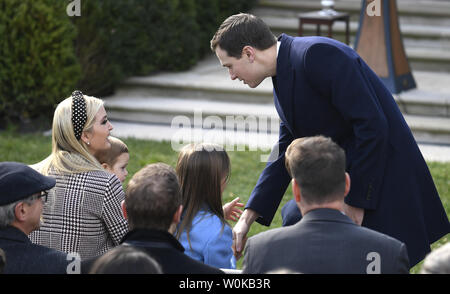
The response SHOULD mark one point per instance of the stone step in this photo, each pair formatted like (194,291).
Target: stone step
(175,86)
(219,115)
(428,129)
(208,81)
(430,98)
(427,48)
(206,97)
(410,11)
(416,102)
(433,34)
(194,112)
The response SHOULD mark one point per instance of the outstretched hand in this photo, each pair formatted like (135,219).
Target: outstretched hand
(241,229)
(231,211)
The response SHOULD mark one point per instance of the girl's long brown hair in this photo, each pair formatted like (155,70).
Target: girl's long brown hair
(201,168)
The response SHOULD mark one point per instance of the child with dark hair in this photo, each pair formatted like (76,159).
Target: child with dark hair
(203,171)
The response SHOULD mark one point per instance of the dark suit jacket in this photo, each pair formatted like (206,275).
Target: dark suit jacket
(165,249)
(323,87)
(325,241)
(24,257)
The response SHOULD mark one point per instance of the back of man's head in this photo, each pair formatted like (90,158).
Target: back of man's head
(318,166)
(152,197)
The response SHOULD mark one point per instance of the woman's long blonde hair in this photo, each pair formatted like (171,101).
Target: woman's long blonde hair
(70,155)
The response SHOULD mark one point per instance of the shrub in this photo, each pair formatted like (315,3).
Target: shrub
(118,39)
(157,35)
(96,43)
(45,55)
(38,66)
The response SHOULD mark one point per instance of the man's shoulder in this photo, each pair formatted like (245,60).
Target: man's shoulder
(378,237)
(176,262)
(197,267)
(317,47)
(272,235)
(46,253)
(344,229)
(13,240)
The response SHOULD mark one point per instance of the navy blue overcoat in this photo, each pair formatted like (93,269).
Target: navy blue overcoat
(323,87)
(24,257)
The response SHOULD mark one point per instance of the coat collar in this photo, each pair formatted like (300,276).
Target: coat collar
(283,64)
(283,82)
(326,214)
(14,234)
(152,238)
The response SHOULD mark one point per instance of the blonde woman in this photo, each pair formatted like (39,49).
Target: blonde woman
(83,212)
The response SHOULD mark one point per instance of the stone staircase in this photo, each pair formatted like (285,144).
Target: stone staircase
(425,26)
(205,99)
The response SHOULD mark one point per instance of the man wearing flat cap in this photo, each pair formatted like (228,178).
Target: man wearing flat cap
(22,194)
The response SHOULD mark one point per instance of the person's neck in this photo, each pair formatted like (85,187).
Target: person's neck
(268,59)
(336,205)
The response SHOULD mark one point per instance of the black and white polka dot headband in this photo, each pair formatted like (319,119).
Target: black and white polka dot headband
(79,114)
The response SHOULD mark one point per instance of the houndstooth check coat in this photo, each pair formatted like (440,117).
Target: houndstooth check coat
(83,214)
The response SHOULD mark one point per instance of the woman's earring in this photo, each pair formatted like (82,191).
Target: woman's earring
(89,143)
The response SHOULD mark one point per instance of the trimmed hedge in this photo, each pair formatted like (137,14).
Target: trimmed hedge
(118,39)
(38,65)
(45,54)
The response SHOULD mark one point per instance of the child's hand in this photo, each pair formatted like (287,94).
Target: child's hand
(231,210)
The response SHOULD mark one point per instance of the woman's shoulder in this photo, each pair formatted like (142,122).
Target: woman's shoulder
(97,178)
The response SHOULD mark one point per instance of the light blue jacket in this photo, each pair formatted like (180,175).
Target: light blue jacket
(210,244)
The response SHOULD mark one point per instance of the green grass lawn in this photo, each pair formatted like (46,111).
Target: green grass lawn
(245,169)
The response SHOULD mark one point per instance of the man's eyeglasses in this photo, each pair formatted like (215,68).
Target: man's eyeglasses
(43,195)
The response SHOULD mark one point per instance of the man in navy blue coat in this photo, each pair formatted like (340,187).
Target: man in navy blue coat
(322,87)
(22,191)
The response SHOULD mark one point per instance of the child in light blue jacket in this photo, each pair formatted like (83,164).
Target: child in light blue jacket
(203,170)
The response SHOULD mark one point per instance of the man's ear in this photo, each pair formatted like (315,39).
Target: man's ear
(296,191)
(20,212)
(249,52)
(124,209)
(105,166)
(347,184)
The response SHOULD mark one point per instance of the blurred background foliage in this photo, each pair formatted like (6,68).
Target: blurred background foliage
(45,54)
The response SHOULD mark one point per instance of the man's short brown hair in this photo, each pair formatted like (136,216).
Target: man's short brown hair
(152,197)
(318,166)
(241,30)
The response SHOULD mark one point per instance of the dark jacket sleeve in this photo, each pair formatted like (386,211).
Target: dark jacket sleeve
(272,183)
(403,261)
(342,77)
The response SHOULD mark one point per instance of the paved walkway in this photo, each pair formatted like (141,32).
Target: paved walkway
(233,140)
